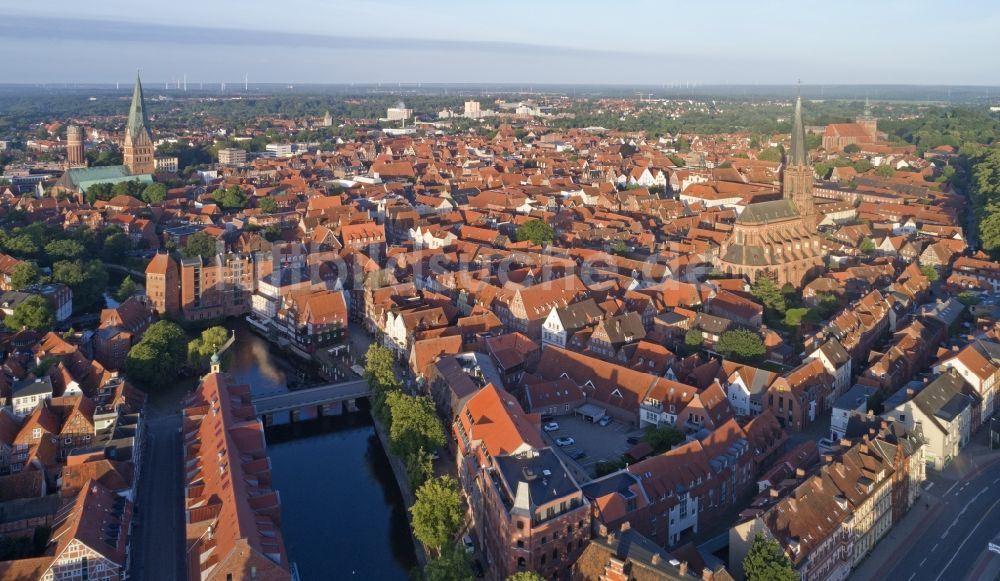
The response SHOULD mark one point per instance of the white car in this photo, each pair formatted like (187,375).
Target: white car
(565,441)
(551,427)
(470,547)
(604,421)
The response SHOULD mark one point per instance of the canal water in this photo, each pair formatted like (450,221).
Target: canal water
(342,514)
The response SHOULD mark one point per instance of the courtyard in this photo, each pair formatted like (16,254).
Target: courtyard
(593,443)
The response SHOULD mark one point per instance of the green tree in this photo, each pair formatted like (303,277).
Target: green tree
(741,343)
(379,368)
(419,468)
(525,576)
(767,562)
(437,513)
(126,289)
(154,361)
(24,275)
(862,165)
(22,245)
(875,402)
(605,467)
(116,247)
(200,244)
(200,349)
(694,339)
(33,313)
(867,245)
(104,157)
(272,233)
(770,154)
(268,205)
(827,305)
(154,193)
(536,231)
(989,229)
(852,148)
(381,375)
(451,565)
(87,279)
(64,250)
(968,298)
(662,438)
(99,191)
(230,198)
(765,288)
(414,426)
(130,188)
(930,272)
(885,171)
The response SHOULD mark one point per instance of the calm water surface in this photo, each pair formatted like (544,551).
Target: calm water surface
(342,514)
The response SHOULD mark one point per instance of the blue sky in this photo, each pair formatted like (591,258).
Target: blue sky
(515,41)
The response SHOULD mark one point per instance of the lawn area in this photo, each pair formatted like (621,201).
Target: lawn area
(794,317)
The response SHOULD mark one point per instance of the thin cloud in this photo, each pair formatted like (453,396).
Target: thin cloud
(35,28)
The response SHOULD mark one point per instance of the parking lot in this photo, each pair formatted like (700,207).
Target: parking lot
(596,443)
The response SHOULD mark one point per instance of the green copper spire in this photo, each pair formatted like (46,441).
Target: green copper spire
(799,154)
(137,122)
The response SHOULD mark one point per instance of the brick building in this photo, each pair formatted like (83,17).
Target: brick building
(527,508)
(233,515)
(138,149)
(779,237)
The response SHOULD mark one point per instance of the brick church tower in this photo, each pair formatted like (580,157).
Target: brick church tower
(75,156)
(797,181)
(138,146)
(868,121)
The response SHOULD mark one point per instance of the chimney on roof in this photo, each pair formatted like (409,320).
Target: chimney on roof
(627,525)
(800,473)
(707,574)
(910,393)
(773,492)
(827,458)
(656,559)
(683,568)
(845,442)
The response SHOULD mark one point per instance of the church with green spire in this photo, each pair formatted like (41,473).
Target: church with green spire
(138,148)
(138,155)
(778,238)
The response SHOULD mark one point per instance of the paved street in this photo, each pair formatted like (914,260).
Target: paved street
(159,536)
(944,536)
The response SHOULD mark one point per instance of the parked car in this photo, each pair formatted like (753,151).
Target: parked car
(579,454)
(632,440)
(470,547)
(565,441)
(551,427)
(604,421)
